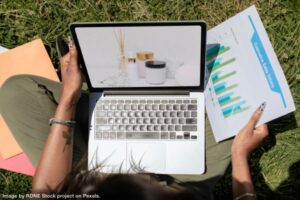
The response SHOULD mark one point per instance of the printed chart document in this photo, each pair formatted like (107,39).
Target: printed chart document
(243,72)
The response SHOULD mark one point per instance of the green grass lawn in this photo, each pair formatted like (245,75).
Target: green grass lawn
(275,167)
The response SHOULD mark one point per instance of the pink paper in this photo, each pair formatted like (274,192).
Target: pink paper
(19,163)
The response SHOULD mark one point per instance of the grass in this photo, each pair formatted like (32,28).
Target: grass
(275,166)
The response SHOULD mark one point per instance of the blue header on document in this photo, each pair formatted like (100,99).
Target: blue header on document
(265,63)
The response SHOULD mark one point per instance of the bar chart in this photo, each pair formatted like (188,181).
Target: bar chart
(223,67)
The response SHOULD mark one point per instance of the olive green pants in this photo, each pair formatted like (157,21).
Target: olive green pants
(26,104)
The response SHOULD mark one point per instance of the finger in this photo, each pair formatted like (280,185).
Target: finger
(64,60)
(73,55)
(256,115)
(262,131)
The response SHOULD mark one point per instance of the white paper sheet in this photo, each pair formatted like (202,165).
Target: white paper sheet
(244,72)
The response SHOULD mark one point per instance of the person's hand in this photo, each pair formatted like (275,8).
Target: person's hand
(71,75)
(250,137)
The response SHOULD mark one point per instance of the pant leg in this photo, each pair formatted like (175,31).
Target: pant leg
(26,108)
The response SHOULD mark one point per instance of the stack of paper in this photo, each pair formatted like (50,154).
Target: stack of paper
(30,58)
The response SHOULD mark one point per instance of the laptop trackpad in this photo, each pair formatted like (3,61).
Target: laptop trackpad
(148,156)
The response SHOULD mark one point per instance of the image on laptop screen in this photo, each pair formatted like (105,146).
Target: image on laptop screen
(141,56)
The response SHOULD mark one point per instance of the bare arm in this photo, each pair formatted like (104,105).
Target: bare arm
(244,143)
(56,159)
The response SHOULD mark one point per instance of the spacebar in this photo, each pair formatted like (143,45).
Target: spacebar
(142,135)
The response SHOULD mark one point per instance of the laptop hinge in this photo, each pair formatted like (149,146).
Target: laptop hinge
(143,92)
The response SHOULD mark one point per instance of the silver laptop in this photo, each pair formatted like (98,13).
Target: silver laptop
(147,103)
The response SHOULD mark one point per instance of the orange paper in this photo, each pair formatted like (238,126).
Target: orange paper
(30,58)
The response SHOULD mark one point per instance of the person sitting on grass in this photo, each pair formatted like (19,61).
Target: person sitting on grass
(28,102)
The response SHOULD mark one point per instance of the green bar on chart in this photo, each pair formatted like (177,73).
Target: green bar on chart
(216,78)
(219,65)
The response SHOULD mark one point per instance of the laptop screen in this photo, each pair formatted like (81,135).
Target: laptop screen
(141,56)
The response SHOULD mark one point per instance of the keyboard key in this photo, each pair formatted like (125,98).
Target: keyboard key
(122,128)
(187,114)
(103,128)
(194,137)
(186,135)
(160,120)
(101,114)
(115,127)
(183,107)
(152,114)
(105,107)
(134,107)
(191,121)
(128,101)
(135,101)
(164,128)
(156,127)
(150,128)
(171,101)
(193,114)
(142,135)
(111,121)
(118,120)
(146,121)
(141,107)
(153,120)
(156,101)
(125,120)
(164,135)
(120,101)
(124,114)
(145,114)
(126,107)
(136,127)
(172,135)
(178,101)
(180,114)
(142,101)
(154,107)
(113,135)
(181,121)
(177,127)
(101,121)
(113,101)
(105,135)
(120,107)
(148,107)
(138,114)
(110,114)
(193,101)
(139,121)
(143,127)
(176,107)
(113,107)
(131,114)
(171,128)
(192,107)
(162,107)
(186,101)
(189,128)
(98,135)
(159,114)
(117,113)
(179,137)
(121,135)
(132,121)
(129,128)
(169,107)
(166,114)
(167,120)
(174,120)
(173,114)
(164,101)
(149,101)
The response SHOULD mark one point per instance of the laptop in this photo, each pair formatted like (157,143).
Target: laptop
(146,82)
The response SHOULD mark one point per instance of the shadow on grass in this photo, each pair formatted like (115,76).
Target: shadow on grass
(288,189)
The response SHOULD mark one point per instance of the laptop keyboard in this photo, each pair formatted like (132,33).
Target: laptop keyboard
(140,119)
